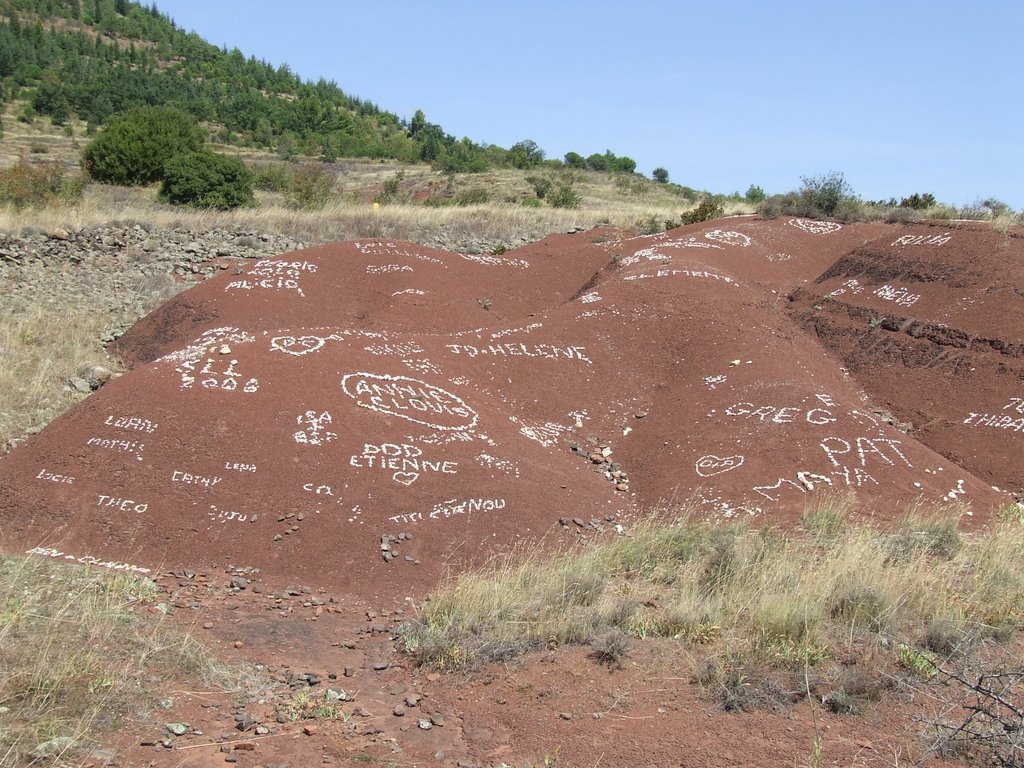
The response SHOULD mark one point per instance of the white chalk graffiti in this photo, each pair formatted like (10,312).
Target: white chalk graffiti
(224,516)
(901,296)
(316,432)
(133,423)
(404,461)
(86,560)
(203,346)
(547,433)
(815,227)
(273,274)
(728,237)
(238,466)
(995,421)
(712,382)
(384,248)
(590,298)
(53,477)
(657,252)
(409,399)
(853,285)
(383,269)
(543,351)
(409,291)
(509,467)
(226,379)
(423,365)
(1016,404)
(318,490)
(509,331)
(133,447)
(496,261)
(187,478)
(778,256)
(122,504)
(451,508)
(711,465)
(686,272)
(301,345)
(942,239)
(381,350)
(885,449)
(773,414)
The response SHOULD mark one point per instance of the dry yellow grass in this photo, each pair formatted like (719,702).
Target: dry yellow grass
(778,600)
(77,660)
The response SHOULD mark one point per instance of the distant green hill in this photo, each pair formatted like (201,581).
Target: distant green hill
(92,59)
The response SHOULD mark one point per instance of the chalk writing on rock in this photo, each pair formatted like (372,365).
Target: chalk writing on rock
(132,423)
(773,414)
(239,466)
(86,560)
(122,504)
(994,421)
(544,351)
(590,298)
(315,432)
(133,447)
(686,272)
(301,345)
(402,350)
(410,399)
(405,462)
(710,465)
(901,296)
(225,516)
(422,365)
(942,239)
(451,508)
(383,269)
(815,227)
(728,237)
(274,275)
(384,248)
(509,331)
(53,477)
(496,261)
(187,478)
(507,466)
(215,374)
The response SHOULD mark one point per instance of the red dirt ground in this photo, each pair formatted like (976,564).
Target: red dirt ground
(288,415)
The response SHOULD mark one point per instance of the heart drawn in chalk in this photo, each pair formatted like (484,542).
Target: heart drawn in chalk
(714,465)
(297,346)
(405,478)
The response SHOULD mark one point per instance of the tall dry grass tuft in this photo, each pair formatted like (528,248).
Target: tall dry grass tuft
(76,659)
(765,598)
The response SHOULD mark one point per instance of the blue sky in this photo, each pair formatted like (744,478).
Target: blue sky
(900,97)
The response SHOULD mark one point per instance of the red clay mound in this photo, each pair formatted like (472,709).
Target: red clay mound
(928,319)
(365,415)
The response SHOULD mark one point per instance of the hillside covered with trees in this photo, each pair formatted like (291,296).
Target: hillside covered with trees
(95,59)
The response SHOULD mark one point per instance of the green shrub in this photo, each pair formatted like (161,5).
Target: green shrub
(660,175)
(310,188)
(390,189)
(207,180)
(917,201)
(823,195)
(755,195)
(272,177)
(134,148)
(707,210)
(564,196)
(541,186)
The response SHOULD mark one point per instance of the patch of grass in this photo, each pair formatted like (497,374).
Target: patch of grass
(760,599)
(77,659)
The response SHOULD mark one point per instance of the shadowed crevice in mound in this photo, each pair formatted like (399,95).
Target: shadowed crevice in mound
(368,415)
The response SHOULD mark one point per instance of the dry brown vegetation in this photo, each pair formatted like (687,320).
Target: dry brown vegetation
(77,659)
